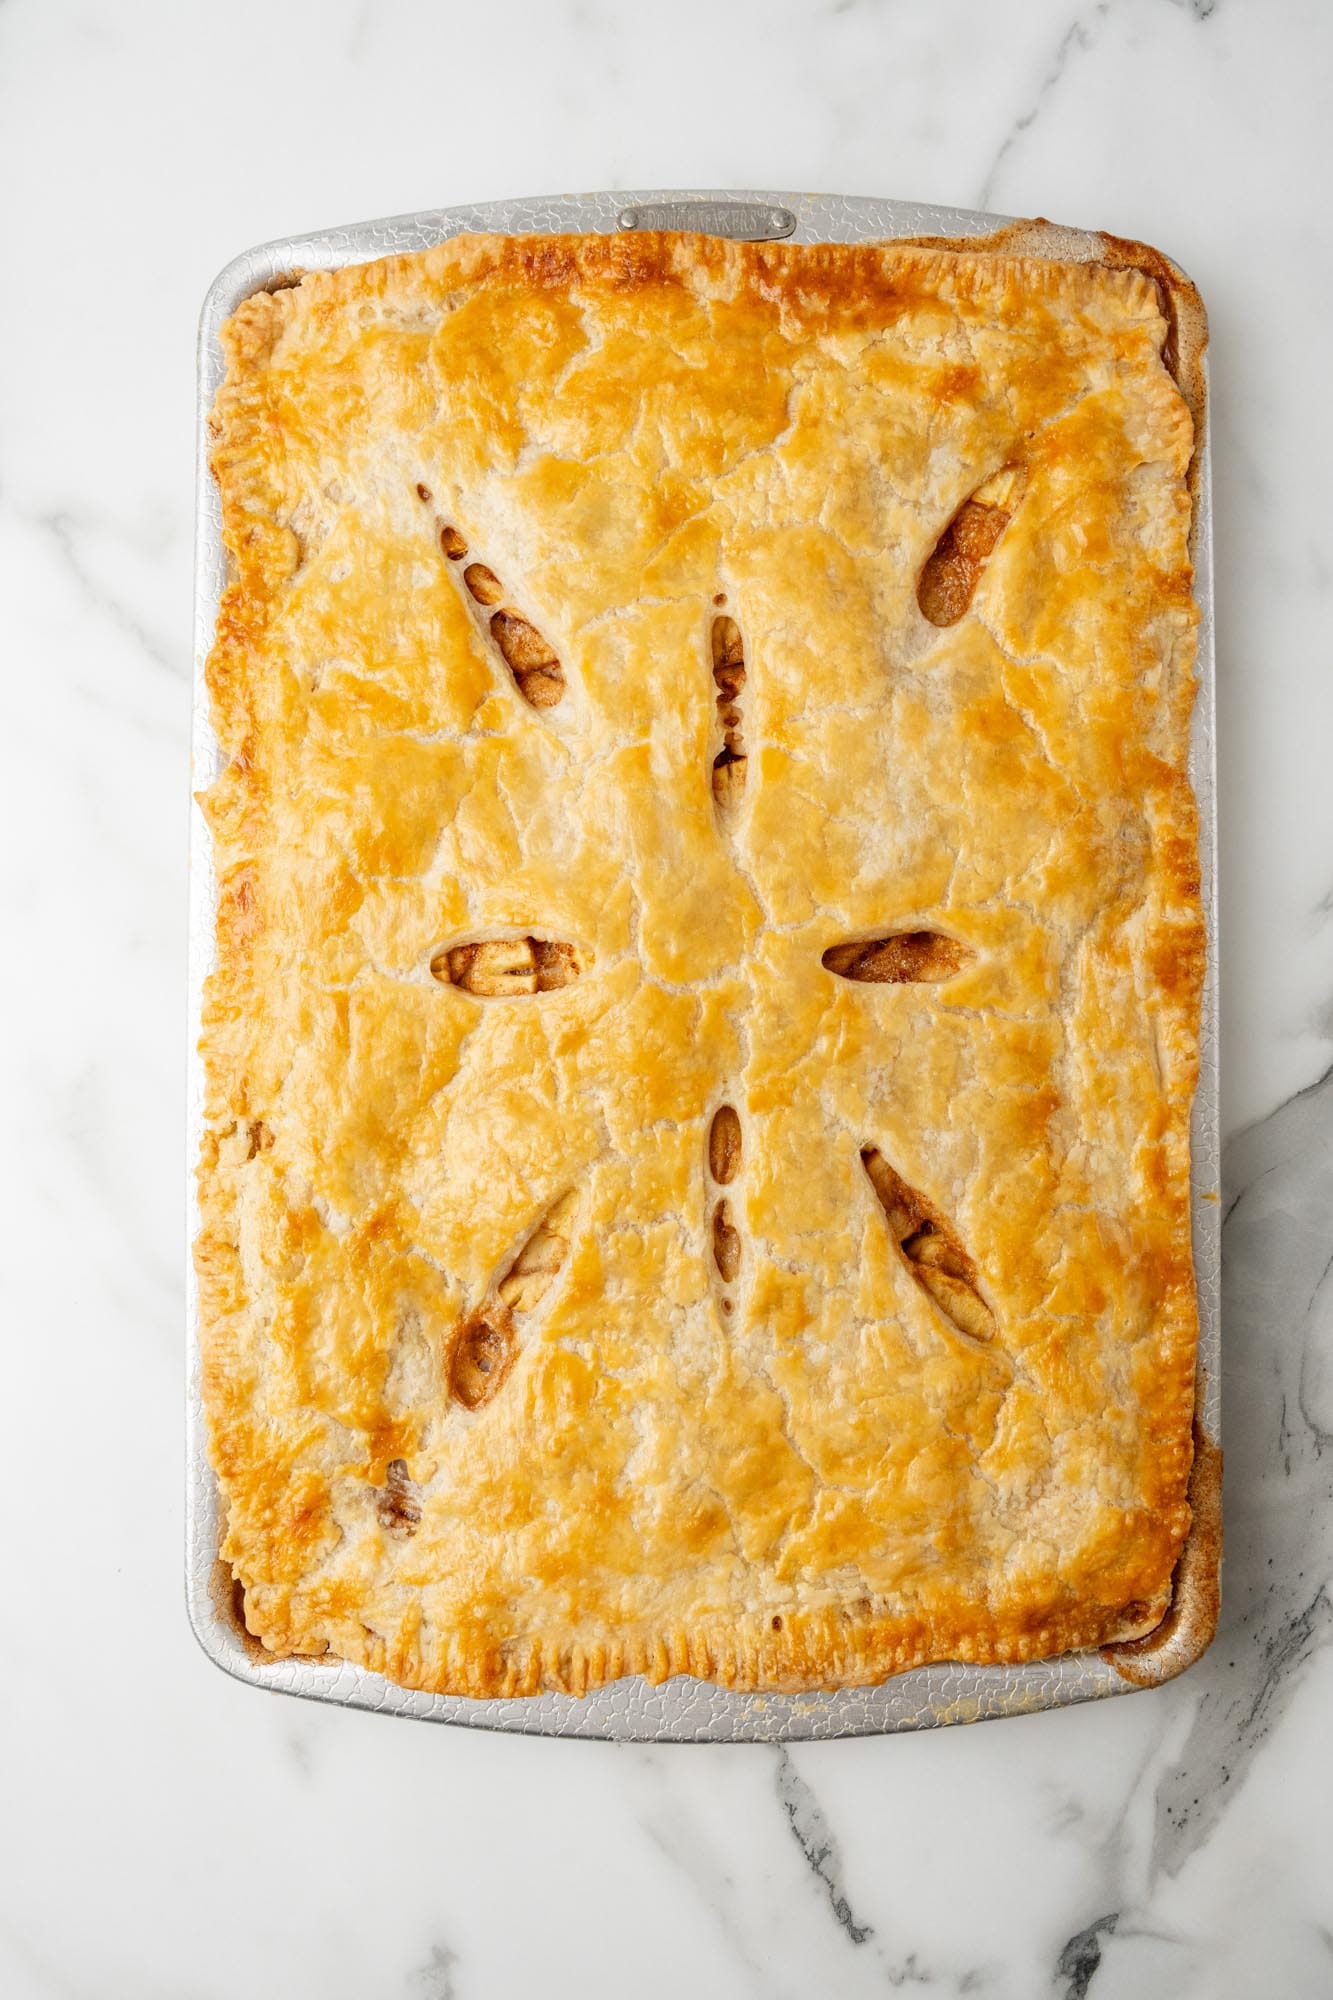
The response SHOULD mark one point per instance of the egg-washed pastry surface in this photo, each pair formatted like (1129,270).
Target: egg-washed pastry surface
(708,962)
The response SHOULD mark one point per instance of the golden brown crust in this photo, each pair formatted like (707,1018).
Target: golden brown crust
(503,1394)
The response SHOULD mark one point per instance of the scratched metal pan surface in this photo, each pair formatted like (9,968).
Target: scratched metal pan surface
(681,1710)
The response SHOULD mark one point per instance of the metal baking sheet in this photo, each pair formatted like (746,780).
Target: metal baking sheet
(681,1710)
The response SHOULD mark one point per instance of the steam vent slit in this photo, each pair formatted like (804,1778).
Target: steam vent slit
(729,765)
(724,1167)
(900,958)
(486,1344)
(399,1505)
(931,1248)
(953,569)
(531,659)
(538,674)
(500,968)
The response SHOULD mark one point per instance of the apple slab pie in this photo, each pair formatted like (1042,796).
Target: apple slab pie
(709,949)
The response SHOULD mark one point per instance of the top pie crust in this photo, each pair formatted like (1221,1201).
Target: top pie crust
(527,1365)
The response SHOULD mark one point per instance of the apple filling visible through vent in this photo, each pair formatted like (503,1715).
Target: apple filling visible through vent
(729,765)
(537,671)
(399,1504)
(539,676)
(724,1164)
(497,968)
(486,1344)
(954,566)
(932,1249)
(724,1146)
(907,957)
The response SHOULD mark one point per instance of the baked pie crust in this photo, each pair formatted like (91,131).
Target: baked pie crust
(708,961)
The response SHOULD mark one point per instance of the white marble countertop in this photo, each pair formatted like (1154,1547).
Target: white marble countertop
(171,1835)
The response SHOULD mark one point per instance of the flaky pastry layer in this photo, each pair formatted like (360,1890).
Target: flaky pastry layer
(708,962)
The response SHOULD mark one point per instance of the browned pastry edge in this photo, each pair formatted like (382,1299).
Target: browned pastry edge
(789,1653)
(1190,1622)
